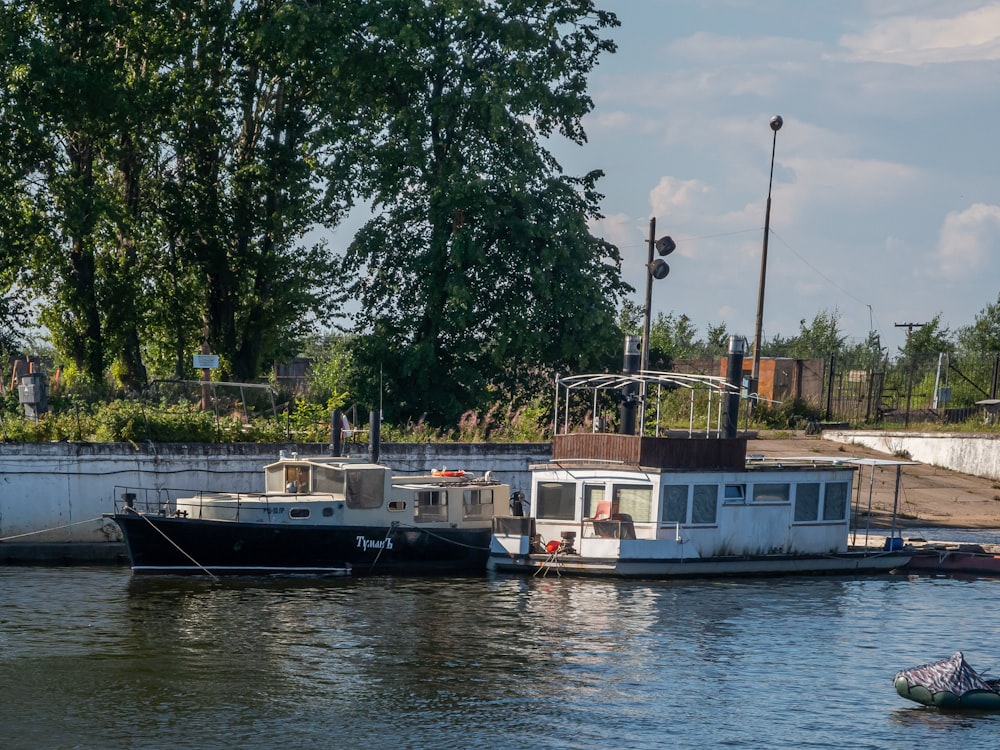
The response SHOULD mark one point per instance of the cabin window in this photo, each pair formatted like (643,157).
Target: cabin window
(835,501)
(329,480)
(364,488)
(807,501)
(771,493)
(397,505)
(555,500)
(705,503)
(298,513)
(296,479)
(675,503)
(735,493)
(477,503)
(327,512)
(633,502)
(431,505)
(595,504)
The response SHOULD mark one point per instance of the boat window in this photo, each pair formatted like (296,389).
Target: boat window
(430,505)
(771,493)
(274,479)
(477,503)
(297,479)
(298,513)
(835,501)
(556,500)
(364,488)
(329,480)
(807,501)
(595,504)
(632,503)
(327,512)
(397,505)
(735,493)
(675,503)
(705,503)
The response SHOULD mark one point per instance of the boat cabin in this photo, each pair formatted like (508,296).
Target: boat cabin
(339,490)
(696,497)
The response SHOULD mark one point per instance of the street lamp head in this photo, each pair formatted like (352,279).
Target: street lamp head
(776,123)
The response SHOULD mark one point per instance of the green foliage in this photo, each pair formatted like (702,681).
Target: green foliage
(819,339)
(792,413)
(670,337)
(330,371)
(158,177)
(478,275)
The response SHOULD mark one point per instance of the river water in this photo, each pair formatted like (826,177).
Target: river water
(94,658)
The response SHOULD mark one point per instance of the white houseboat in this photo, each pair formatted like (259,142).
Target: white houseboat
(683,505)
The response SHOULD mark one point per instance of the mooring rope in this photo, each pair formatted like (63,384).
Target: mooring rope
(385,541)
(438,536)
(163,534)
(53,528)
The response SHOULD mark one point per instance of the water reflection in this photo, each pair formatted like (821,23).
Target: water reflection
(100,659)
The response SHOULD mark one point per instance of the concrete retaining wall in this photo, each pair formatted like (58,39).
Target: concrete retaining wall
(57,492)
(974,454)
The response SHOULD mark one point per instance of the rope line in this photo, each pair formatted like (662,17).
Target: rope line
(144,517)
(53,528)
(385,543)
(438,536)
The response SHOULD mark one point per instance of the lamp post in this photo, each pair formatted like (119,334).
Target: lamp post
(776,123)
(655,269)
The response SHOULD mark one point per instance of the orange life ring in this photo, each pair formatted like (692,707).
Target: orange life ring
(444,473)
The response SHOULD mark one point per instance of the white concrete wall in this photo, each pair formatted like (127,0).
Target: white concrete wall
(974,454)
(57,492)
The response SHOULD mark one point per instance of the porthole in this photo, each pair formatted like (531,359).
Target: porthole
(298,513)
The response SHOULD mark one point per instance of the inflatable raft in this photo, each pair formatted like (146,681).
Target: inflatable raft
(950,683)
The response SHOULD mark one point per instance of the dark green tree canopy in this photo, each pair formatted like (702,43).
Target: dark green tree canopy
(161,165)
(478,271)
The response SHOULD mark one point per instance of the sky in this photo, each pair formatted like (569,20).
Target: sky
(884,203)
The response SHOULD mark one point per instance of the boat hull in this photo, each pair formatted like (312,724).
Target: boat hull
(954,563)
(178,546)
(974,700)
(846,563)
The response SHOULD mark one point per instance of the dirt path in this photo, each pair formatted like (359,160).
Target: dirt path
(928,496)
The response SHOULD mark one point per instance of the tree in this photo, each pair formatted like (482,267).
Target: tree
(983,336)
(161,165)
(60,105)
(670,337)
(925,341)
(244,184)
(478,274)
(977,356)
(819,339)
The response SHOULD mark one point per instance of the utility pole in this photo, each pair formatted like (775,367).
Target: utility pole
(909,375)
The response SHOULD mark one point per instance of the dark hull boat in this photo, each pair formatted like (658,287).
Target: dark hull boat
(954,559)
(171,545)
(949,684)
(317,516)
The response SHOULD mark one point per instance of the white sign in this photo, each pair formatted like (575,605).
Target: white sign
(206,361)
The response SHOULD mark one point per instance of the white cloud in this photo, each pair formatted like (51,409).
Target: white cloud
(914,40)
(676,199)
(966,240)
(617,229)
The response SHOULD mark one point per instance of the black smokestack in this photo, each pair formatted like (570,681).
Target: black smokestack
(630,393)
(734,376)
